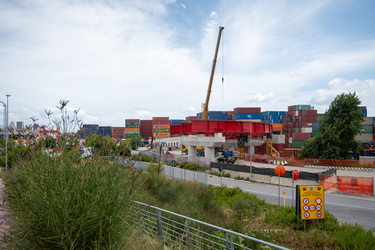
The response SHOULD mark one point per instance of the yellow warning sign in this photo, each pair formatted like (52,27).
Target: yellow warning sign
(312,202)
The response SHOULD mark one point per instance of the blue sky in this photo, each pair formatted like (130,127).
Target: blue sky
(116,60)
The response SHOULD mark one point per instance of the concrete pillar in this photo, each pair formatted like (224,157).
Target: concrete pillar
(209,152)
(192,153)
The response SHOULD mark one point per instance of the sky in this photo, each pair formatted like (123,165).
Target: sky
(127,59)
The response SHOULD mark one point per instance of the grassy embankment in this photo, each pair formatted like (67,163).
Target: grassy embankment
(64,203)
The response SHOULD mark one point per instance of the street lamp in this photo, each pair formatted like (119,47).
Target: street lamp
(250,144)
(7,134)
(4,133)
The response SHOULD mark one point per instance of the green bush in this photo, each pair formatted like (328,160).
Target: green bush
(59,204)
(192,166)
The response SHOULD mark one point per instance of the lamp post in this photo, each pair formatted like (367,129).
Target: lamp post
(5,122)
(7,134)
(250,153)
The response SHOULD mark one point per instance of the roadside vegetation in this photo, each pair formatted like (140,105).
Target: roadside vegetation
(64,202)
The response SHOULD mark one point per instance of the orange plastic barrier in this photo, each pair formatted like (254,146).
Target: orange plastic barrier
(355,185)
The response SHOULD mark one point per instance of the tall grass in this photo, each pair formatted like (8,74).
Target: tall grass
(58,204)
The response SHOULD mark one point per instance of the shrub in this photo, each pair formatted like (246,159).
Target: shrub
(58,204)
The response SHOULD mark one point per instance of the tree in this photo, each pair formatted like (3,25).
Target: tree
(135,141)
(339,126)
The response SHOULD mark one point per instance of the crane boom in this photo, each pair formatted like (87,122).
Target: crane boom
(205,105)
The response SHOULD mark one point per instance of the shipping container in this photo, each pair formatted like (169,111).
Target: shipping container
(277,127)
(315,127)
(191,118)
(146,129)
(316,134)
(161,134)
(130,133)
(217,118)
(301,136)
(364,111)
(161,130)
(159,119)
(247,116)
(299,107)
(278,139)
(368,121)
(297,144)
(105,131)
(161,126)
(306,130)
(131,129)
(132,125)
(247,110)
(365,137)
(176,121)
(132,121)
(367,129)
(320,116)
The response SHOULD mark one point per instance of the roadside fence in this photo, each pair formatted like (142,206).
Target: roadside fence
(177,231)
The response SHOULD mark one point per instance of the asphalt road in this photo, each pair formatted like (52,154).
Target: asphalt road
(349,208)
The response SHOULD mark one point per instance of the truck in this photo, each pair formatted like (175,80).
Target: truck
(226,156)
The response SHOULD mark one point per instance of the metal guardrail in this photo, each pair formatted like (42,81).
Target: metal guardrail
(176,230)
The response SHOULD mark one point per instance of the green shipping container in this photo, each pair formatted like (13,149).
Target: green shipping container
(303,107)
(297,144)
(132,126)
(130,133)
(162,130)
(366,129)
(316,134)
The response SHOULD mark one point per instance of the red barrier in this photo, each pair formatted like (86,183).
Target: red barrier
(344,184)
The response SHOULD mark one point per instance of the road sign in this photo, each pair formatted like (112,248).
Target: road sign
(311,202)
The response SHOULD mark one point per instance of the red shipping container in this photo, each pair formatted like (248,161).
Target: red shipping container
(131,120)
(247,110)
(309,118)
(291,108)
(301,136)
(308,112)
(160,119)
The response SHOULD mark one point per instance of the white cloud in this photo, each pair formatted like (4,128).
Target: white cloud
(119,59)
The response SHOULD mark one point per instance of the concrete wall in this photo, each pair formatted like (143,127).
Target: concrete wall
(268,179)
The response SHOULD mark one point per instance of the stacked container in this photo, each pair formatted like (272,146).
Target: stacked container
(146,129)
(367,131)
(88,129)
(118,133)
(275,118)
(161,127)
(132,127)
(214,115)
(248,113)
(105,131)
(298,125)
(278,142)
(363,110)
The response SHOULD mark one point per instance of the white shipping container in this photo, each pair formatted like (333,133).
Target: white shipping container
(364,137)
(368,121)
(278,139)
(290,140)
(306,130)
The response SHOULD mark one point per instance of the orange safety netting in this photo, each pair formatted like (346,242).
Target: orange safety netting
(357,185)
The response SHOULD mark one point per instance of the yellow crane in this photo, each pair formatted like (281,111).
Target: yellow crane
(205,105)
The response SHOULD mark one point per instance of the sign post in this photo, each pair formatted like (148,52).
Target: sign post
(310,202)
(295,176)
(279,171)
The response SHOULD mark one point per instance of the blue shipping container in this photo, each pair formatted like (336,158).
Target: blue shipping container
(247,116)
